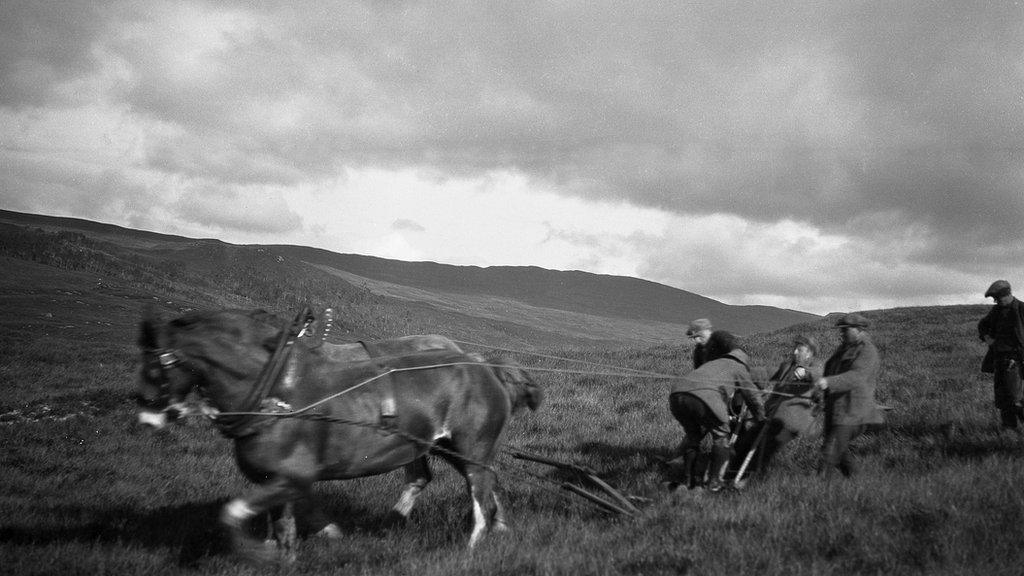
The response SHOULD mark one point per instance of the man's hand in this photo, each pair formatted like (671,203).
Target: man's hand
(821,384)
(800,373)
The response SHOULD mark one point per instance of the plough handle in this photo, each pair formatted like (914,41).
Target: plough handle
(596,499)
(615,494)
(543,460)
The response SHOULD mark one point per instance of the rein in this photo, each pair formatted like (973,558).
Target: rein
(241,422)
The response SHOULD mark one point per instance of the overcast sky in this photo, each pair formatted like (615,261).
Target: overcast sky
(820,156)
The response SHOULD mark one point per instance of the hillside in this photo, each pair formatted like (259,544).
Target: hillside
(375,297)
(85,490)
(573,291)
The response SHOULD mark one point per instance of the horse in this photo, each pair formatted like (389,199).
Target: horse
(326,419)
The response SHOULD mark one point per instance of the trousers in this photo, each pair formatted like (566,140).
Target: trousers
(835,450)
(1007,390)
(698,420)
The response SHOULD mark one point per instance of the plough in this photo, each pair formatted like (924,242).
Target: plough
(613,501)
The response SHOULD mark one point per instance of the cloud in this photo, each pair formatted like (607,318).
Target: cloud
(238,209)
(44,45)
(795,265)
(405,224)
(893,129)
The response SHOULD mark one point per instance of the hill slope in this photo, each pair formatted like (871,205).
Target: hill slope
(378,297)
(573,291)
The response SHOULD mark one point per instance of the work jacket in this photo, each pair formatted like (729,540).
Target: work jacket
(986,327)
(784,382)
(715,383)
(852,374)
(700,355)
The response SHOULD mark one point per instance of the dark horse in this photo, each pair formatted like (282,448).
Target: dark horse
(328,417)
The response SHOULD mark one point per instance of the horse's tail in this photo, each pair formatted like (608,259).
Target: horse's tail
(522,390)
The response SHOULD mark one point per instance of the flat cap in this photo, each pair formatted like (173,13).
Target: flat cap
(808,341)
(698,325)
(852,320)
(999,288)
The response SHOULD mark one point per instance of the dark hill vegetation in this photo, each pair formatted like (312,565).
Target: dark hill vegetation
(375,297)
(575,291)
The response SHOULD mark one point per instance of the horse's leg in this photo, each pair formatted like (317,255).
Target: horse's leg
(481,482)
(317,519)
(417,476)
(286,534)
(500,525)
(237,513)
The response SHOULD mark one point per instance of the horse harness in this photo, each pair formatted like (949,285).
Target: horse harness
(388,406)
(247,421)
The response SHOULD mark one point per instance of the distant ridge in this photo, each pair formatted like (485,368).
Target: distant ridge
(382,296)
(576,291)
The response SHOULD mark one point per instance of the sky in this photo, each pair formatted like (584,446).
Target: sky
(818,156)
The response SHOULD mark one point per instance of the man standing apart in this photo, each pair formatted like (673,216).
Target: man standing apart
(849,388)
(1003,330)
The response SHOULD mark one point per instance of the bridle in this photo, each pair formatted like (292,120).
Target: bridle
(160,362)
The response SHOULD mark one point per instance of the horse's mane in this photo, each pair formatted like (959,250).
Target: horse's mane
(237,324)
(192,319)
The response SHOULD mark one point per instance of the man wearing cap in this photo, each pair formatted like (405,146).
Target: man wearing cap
(789,405)
(848,384)
(699,331)
(1003,330)
(700,403)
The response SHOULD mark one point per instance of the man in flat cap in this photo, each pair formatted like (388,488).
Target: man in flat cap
(790,411)
(700,402)
(1003,330)
(699,331)
(849,385)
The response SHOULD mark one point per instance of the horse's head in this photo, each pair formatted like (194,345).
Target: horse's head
(165,379)
(194,350)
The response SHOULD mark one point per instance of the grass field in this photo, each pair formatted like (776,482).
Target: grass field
(83,491)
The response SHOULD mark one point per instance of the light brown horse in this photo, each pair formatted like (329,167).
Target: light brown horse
(329,419)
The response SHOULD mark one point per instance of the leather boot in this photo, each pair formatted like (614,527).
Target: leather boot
(690,469)
(720,456)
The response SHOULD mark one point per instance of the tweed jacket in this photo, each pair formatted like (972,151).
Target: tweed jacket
(794,414)
(783,381)
(852,374)
(700,355)
(986,327)
(716,382)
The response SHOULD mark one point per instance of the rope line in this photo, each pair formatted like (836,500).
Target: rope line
(565,359)
(637,373)
(532,369)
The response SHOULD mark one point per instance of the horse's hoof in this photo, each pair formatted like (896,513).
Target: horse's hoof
(395,519)
(329,532)
(258,554)
(288,556)
(254,551)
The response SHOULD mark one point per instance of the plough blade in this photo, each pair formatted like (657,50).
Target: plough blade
(619,503)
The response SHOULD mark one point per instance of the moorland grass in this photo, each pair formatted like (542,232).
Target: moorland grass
(85,492)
